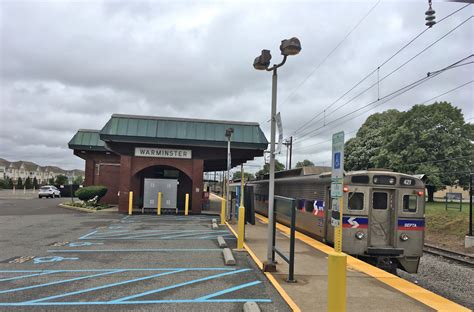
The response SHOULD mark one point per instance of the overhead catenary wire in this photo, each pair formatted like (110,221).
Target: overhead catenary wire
(306,124)
(330,53)
(350,132)
(393,94)
(388,75)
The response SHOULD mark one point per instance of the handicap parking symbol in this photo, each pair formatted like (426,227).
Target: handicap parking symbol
(51,259)
(337,160)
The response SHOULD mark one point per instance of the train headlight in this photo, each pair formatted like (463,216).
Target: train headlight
(360,235)
(403,237)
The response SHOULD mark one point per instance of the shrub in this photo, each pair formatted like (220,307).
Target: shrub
(90,192)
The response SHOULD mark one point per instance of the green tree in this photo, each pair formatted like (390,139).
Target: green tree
(28,183)
(19,183)
(8,183)
(304,163)
(360,151)
(51,181)
(35,183)
(78,180)
(431,139)
(248,176)
(266,168)
(61,180)
(2,184)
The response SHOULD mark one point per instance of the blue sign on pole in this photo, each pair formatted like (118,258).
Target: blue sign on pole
(337,160)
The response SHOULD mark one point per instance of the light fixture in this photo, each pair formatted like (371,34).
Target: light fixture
(262,61)
(403,237)
(360,235)
(290,46)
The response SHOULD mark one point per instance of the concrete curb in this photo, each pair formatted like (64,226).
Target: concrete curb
(228,256)
(251,306)
(77,208)
(221,242)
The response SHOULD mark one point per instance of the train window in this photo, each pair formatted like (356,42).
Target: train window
(409,203)
(407,181)
(380,200)
(385,180)
(363,179)
(356,201)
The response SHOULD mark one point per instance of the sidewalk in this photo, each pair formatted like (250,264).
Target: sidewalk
(368,288)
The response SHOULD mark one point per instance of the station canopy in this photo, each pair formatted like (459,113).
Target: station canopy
(206,138)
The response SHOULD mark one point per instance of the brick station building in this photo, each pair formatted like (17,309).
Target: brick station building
(130,149)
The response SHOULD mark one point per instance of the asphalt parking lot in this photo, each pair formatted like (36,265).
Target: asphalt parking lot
(57,259)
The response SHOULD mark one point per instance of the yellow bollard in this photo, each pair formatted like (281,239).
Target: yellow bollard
(223,211)
(158,209)
(241,228)
(337,281)
(186,205)
(130,202)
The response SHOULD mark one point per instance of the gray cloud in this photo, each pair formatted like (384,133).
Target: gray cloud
(70,65)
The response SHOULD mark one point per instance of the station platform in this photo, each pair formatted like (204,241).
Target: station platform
(368,288)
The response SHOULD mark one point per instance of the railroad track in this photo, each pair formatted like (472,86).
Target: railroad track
(449,254)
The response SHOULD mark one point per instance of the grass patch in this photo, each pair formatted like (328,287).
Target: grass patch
(447,227)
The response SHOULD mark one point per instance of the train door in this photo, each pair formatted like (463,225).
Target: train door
(380,217)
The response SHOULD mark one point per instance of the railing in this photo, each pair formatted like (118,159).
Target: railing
(285,207)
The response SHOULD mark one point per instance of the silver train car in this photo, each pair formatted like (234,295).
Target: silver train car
(383,214)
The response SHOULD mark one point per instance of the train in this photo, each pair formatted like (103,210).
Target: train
(383,212)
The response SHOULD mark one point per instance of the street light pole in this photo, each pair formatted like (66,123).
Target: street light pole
(228,134)
(288,47)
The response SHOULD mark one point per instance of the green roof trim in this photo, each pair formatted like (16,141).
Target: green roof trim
(182,131)
(86,139)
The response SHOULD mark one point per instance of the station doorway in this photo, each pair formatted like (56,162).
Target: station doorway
(172,182)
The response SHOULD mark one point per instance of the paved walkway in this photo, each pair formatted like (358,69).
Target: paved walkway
(368,288)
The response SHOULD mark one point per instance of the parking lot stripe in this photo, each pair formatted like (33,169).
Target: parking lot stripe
(91,233)
(137,250)
(228,290)
(59,282)
(124,269)
(19,304)
(29,275)
(105,286)
(179,285)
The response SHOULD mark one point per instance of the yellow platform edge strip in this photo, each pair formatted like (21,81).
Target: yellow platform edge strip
(416,292)
(269,276)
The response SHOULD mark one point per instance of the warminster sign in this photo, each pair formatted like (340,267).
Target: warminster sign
(162,152)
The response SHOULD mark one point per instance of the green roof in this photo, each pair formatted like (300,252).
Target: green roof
(182,131)
(86,139)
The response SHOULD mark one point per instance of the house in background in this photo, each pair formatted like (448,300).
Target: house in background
(26,169)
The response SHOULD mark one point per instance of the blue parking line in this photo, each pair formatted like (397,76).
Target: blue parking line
(228,290)
(138,250)
(29,275)
(20,304)
(187,234)
(87,235)
(124,269)
(179,285)
(59,282)
(105,286)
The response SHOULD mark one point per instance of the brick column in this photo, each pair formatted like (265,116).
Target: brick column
(198,167)
(125,185)
(90,172)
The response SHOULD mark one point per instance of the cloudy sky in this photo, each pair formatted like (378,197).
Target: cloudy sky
(66,65)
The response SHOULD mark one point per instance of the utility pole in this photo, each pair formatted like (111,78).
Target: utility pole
(291,151)
(289,147)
